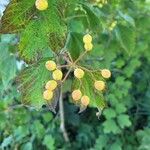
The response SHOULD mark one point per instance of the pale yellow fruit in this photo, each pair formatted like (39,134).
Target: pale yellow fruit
(110,28)
(50,65)
(57,75)
(85,100)
(78,73)
(106,73)
(99,85)
(114,23)
(87,38)
(106,2)
(41,4)
(88,46)
(51,85)
(48,95)
(100,5)
(76,95)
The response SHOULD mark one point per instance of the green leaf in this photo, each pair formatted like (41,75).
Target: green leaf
(92,16)
(20,133)
(8,66)
(109,113)
(143,138)
(87,88)
(75,44)
(47,117)
(101,142)
(39,30)
(16,16)
(27,146)
(76,26)
(127,18)
(31,84)
(115,146)
(111,126)
(126,37)
(38,129)
(120,108)
(35,32)
(49,142)
(124,121)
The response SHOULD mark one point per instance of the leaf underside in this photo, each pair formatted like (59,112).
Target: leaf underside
(38,30)
(31,82)
(86,85)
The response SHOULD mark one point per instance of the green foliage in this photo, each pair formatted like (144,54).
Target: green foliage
(143,136)
(32,82)
(42,28)
(49,142)
(8,62)
(86,86)
(126,36)
(124,124)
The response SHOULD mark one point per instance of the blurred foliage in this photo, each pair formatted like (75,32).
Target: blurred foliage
(124,123)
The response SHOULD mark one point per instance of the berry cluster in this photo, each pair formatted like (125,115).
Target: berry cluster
(41,4)
(78,95)
(51,85)
(87,39)
(98,85)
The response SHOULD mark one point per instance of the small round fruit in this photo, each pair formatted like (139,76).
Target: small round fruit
(51,85)
(48,95)
(105,2)
(78,73)
(50,65)
(85,100)
(88,46)
(100,5)
(57,75)
(41,4)
(99,85)
(106,73)
(87,38)
(76,95)
(114,23)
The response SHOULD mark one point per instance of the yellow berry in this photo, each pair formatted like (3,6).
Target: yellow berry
(85,100)
(114,23)
(110,28)
(41,4)
(51,85)
(88,46)
(78,73)
(106,73)
(99,85)
(57,75)
(100,5)
(50,65)
(87,38)
(76,95)
(105,2)
(48,95)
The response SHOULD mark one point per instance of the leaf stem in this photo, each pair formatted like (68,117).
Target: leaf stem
(62,117)
(67,74)
(80,57)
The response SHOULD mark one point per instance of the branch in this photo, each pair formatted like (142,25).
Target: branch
(62,118)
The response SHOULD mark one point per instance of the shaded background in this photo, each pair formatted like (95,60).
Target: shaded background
(123,125)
